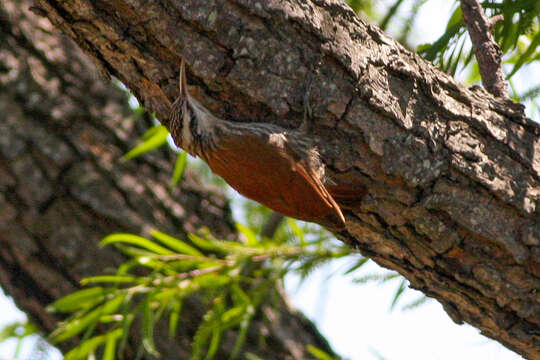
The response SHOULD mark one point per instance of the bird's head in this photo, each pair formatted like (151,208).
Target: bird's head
(182,113)
(190,121)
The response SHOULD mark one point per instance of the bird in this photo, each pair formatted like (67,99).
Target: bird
(277,167)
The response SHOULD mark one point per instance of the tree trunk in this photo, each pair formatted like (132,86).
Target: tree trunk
(62,132)
(453,173)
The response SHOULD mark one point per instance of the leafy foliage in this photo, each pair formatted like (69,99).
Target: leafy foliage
(319,354)
(154,138)
(386,277)
(518,35)
(364,6)
(233,279)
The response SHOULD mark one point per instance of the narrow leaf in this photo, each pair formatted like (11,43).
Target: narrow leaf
(211,281)
(318,353)
(208,245)
(152,139)
(356,266)
(239,295)
(85,348)
(430,51)
(135,240)
(110,344)
(175,244)
(126,325)
(297,231)
(116,279)
(214,343)
(179,168)
(251,237)
(78,300)
(148,328)
(242,332)
(174,316)
(398,293)
(526,55)
(390,14)
(77,325)
(233,313)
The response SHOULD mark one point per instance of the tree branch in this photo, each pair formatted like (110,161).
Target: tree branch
(487,51)
(63,188)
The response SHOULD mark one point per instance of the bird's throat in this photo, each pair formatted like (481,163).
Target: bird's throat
(198,127)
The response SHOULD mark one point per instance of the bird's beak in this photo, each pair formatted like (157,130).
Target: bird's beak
(182,81)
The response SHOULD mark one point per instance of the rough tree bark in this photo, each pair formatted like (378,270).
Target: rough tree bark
(62,188)
(453,173)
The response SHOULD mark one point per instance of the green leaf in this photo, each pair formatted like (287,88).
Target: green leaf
(88,346)
(152,139)
(398,293)
(209,281)
(135,240)
(206,328)
(455,19)
(509,31)
(297,231)
(251,237)
(174,317)
(207,245)
(526,56)
(151,132)
(126,325)
(159,266)
(139,111)
(431,51)
(214,343)
(233,313)
(416,303)
(148,322)
(439,47)
(179,168)
(175,244)
(132,252)
(390,14)
(110,345)
(356,266)
(184,265)
(242,332)
(117,279)
(318,353)
(78,324)
(84,298)
(165,296)
(85,348)
(239,295)
(126,267)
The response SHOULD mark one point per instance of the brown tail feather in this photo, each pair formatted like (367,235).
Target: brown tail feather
(349,196)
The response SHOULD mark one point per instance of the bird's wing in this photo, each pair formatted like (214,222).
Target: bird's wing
(271,175)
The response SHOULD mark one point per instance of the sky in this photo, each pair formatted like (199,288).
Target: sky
(357,321)
(356,318)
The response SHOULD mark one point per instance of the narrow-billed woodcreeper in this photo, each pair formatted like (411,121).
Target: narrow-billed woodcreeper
(277,167)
